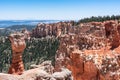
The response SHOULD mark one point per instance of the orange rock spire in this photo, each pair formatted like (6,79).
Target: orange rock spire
(18,45)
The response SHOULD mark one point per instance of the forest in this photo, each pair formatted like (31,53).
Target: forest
(99,19)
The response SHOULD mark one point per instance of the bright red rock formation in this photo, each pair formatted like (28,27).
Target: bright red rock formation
(111,28)
(54,29)
(90,56)
(18,45)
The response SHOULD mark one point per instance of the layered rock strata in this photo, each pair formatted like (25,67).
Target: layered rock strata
(18,45)
(60,28)
(90,56)
(54,29)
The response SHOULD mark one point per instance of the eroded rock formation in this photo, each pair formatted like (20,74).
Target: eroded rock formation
(40,72)
(61,28)
(112,33)
(90,56)
(54,29)
(18,45)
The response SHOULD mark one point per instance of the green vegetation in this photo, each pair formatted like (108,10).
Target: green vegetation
(37,51)
(99,19)
(4,32)
(5,54)
(20,27)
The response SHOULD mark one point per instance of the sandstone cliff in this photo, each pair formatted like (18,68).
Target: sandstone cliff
(54,29)
(93,53)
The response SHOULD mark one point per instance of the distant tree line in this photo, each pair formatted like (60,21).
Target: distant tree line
(20,27)
(13,28)
(99,19)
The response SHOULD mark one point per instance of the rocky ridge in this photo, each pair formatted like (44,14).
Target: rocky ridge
(45,71)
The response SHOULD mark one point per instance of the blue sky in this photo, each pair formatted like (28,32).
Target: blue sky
(57,9)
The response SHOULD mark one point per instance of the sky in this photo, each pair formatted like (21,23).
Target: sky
(57,9)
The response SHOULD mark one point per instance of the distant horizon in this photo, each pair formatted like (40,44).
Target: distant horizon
(7,23)
(52,19)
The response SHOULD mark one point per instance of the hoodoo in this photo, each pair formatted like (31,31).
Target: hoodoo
(18,45)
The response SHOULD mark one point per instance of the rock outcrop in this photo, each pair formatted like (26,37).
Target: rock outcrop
(40,72)
(18,45)
(91,54)
(112,33)
(54,29)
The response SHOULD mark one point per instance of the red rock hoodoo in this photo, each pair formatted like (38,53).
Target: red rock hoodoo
(18,45)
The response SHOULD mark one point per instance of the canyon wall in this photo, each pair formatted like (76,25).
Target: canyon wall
(91,54)
(55,29)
